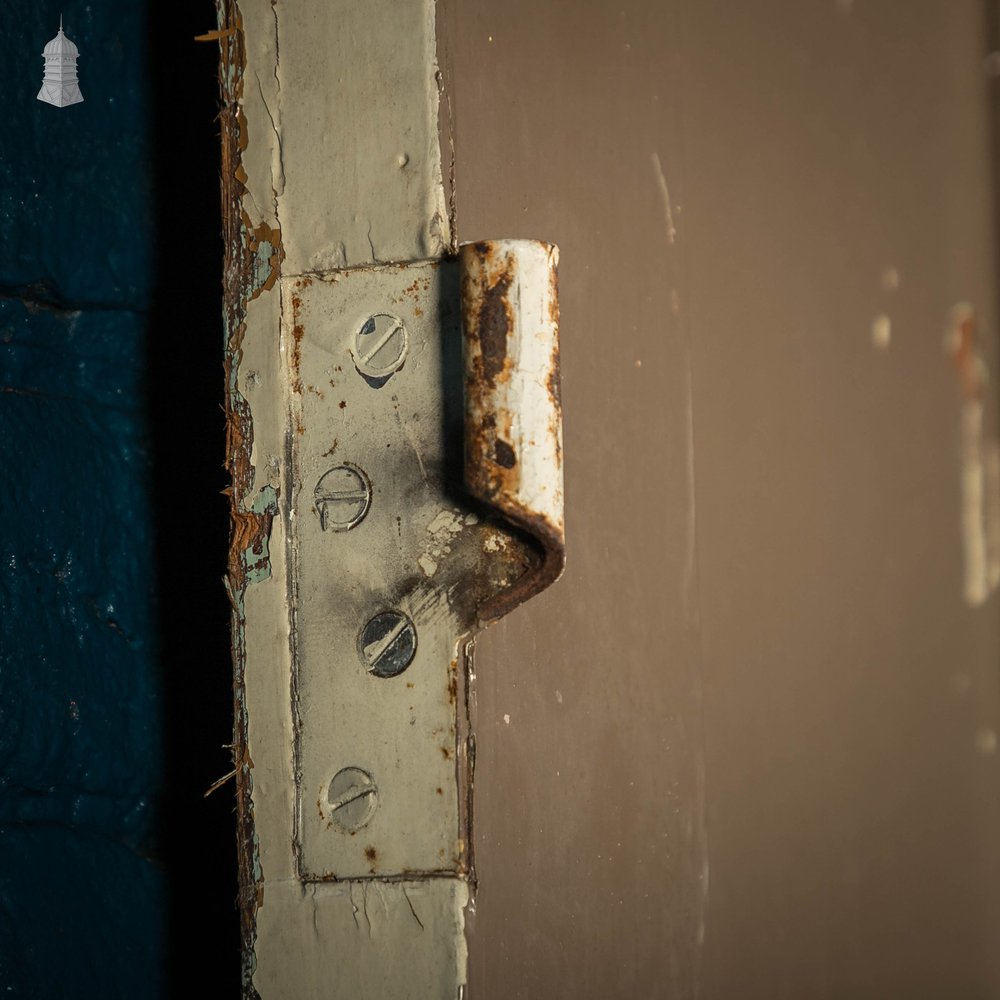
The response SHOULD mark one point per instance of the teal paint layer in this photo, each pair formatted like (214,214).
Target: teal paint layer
(76,207)
(82,896)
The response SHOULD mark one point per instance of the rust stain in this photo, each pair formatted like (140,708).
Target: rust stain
(962,344)
(554,387)
(494,320)
(298,332)
(491,459)
(503,454)
(554,382)
(247,273)
(554,296)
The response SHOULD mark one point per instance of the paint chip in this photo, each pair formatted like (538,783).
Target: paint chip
(881,332)
(980,473)
(890,279)
(661,183)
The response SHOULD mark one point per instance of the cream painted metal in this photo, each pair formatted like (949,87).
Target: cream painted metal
(325,126)
(376,394)
(402,730)
(526,393)
(351,371)
(513,406)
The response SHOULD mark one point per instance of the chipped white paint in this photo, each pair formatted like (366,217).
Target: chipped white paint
(991,479)
(890,279)
(973,508)
(668,212)
(442,531)
(980,462)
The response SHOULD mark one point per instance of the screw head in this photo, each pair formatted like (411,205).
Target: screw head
(388,643)
(380,346)
(343,496)
(351,799)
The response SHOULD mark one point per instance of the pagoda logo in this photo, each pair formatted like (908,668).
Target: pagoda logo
(59,85)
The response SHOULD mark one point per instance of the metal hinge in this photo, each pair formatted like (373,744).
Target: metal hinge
(425,500)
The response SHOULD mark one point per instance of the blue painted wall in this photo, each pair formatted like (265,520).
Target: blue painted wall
(82,900)
(116,878)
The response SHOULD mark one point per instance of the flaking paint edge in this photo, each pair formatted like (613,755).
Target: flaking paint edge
(281,916)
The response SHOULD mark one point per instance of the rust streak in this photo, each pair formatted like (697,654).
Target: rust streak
(492,468)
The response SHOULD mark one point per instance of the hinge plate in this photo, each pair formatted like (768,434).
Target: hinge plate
(379,523)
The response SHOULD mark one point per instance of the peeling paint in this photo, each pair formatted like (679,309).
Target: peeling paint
(251,266)
(980,461)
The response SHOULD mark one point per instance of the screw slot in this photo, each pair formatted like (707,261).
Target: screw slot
(388,643)
(351,798)
(380,346)
(343,496)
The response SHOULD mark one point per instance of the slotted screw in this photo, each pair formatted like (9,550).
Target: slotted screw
(352,798)
(380,346)
(388,643)
(343,496)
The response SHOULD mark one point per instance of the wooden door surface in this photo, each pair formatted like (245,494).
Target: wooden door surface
(747,746)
